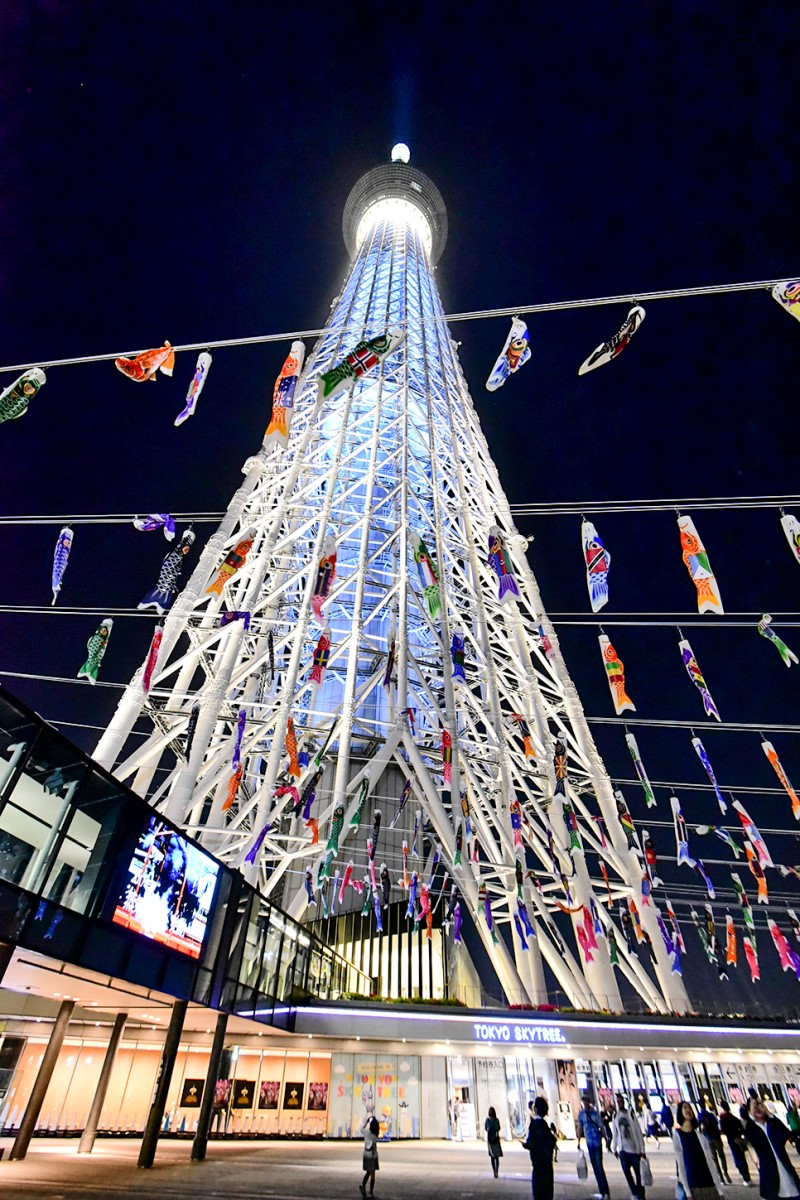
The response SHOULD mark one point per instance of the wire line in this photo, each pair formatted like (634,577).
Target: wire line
(446,318)
(559,508)
(725,726)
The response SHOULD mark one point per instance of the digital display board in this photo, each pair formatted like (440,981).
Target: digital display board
(168,891)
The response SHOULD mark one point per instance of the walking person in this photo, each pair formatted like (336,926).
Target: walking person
(732,1129)
(554,1132)
(590,1126)
(710,1127)
(627,1142)
(768,1136)
(369,1162)
(492,1127)
(651,1126)
(540,1145)
(697,1171)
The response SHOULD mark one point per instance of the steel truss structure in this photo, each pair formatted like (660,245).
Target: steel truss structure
(396,456)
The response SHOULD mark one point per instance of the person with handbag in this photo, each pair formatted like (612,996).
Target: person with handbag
(768,1136)
(697,1171)
(732,1129)
(369,1161)
(590,1126)
(492,1127)
(627,1142)
(540,1145)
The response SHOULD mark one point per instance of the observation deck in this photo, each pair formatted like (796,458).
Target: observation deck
(387,190)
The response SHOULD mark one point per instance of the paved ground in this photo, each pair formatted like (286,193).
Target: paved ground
(289,1170)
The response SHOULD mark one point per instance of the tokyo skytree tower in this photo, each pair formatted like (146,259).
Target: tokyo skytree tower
(370,688)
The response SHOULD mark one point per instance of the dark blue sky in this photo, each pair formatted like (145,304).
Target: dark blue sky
(170,172)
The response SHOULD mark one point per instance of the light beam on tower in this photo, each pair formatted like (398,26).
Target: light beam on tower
(393,471)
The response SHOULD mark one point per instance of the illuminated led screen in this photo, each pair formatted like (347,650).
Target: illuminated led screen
(168,893)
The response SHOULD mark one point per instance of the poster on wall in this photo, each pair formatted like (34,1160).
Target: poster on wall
(268,1093)
(243,1092)
(605,1098)
(568,1086)
(387,1088)
(408,1097)
(340,1109)
(317,1097)
(222,1094)
(192,1093)
(293,1096)
(566,1121)
(386,1097)
(363,1093)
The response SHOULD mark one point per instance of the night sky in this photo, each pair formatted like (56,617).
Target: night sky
(179,171)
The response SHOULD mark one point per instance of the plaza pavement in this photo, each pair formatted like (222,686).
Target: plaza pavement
(298,1170)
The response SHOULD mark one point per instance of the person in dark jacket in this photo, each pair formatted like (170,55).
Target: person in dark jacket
(540,1145)
(709,1124)
(732,1129)
(492,1127)
(768,1136)
(666,1118)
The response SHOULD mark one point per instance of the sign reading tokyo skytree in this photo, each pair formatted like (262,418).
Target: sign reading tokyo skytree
(396,650)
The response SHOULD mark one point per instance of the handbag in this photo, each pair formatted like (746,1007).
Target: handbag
(646,1173)
(581,1166)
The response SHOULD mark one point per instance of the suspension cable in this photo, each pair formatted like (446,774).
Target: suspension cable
(477,315)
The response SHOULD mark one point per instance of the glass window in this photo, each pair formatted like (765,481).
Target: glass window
(283,986)
(17,733)
(80,859)
(36,804)
(301,961)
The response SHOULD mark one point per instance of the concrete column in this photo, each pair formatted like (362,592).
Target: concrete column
(90,1132)
(200,1143)
(147,1153)
(42,1081)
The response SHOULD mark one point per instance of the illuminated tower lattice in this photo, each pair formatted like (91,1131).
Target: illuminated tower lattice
(394,457)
